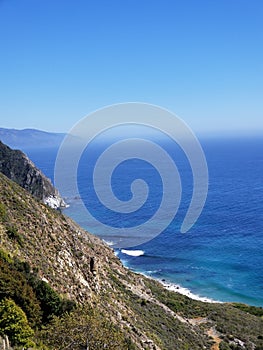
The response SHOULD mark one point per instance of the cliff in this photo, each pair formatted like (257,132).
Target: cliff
(16,166)
(115,308)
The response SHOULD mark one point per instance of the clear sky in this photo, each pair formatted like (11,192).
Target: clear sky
(201,59)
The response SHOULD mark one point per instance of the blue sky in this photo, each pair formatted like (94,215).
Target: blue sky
(61,59)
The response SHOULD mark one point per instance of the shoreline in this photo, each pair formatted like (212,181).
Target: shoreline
(187,292)
(173,287)
(176,288)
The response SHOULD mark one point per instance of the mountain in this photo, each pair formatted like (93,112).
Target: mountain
(30,138)
(68,290)
(17,167)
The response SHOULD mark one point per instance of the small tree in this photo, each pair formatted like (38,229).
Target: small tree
(14,324)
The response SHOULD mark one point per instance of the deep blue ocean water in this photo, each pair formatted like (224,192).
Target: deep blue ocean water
(221,256)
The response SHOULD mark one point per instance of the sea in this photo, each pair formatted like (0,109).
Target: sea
(221,257)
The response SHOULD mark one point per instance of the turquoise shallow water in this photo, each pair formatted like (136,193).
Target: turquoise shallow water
(221,256)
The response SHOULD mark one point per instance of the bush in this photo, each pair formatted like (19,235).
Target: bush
(224,346)
(36,298)
(51,303)
(253,310)
(14,324)
(3,213)
(84,327)
(13,234)
(5,256)
(13,285)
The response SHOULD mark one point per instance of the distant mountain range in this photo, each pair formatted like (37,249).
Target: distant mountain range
(30,138)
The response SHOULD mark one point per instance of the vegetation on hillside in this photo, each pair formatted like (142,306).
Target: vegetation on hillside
(14,324)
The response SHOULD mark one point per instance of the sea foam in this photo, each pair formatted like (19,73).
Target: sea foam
(133,252)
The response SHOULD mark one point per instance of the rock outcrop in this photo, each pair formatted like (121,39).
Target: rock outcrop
(19,168)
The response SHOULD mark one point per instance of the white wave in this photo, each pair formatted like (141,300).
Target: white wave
(133,252)
(187,292)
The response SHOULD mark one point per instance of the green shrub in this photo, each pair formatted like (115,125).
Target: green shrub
(85,327)
(3,213)
(51,303)
(13,234)
(14,285)
(5,256)
(224,346)
(14,324)
(253,310)
(36,298)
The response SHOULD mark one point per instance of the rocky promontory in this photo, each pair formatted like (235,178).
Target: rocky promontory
(19,168)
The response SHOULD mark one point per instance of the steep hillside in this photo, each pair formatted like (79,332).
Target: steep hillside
(17,167)
(116,307)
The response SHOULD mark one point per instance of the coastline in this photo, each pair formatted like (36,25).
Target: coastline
(168,285)
(184,291)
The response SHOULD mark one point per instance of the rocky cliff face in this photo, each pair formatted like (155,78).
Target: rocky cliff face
(16,166)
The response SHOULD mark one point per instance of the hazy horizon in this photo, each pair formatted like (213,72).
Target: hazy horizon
(205,135)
